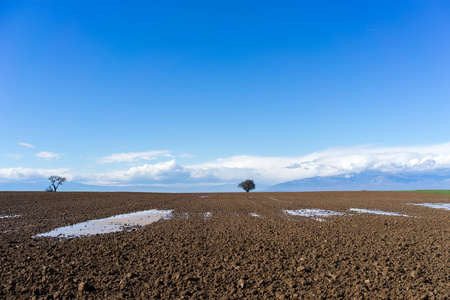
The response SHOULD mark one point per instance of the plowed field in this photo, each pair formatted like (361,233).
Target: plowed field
(227,246)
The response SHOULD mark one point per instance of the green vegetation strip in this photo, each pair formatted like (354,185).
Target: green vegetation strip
(441,192)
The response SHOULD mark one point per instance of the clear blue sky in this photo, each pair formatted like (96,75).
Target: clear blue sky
(207,80)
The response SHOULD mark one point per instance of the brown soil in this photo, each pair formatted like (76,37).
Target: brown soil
(231,254)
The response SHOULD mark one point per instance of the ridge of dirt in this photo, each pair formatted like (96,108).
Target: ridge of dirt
(231,254)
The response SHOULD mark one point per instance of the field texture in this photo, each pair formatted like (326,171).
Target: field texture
(227,246)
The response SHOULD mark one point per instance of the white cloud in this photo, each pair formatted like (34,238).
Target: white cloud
(186,155)
(133,156)
(48,155)
(29,175)
(163,171)
(26,145)
(272,170)
(264,170)
(13,156)
(336,161)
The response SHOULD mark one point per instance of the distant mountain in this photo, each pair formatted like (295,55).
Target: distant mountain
(377,181)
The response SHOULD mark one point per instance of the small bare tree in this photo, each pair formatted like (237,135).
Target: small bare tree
(247,185)
(55,181)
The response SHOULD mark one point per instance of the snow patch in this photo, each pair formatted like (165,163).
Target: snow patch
(275,199)
(445,206)
(376,212)
(315,214)
(14,216)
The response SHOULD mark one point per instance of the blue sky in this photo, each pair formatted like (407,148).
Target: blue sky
(211,92)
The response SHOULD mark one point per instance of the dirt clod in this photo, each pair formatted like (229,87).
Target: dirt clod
(85,287)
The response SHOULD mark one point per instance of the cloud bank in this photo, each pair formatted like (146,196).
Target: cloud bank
(20,174)
(273,170)
(264,170)
(168,171)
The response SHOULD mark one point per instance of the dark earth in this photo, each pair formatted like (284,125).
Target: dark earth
(231,254)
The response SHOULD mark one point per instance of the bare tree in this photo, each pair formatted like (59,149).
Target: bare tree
(247,185)
(55,182)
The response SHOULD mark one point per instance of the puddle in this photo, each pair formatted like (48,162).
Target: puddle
(376,212)
(315,214)
(108,225)
(255,215)
(445,206)
(4,217)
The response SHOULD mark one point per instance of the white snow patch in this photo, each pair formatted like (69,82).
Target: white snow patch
(108,225)
(205,196)
(207,215)
(275,199)
(255,215)
(376,212)
(313,213)
(14,216)
(445,206)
